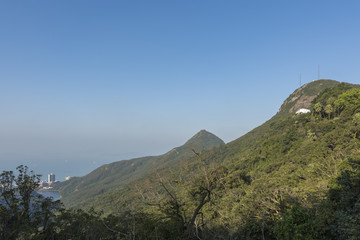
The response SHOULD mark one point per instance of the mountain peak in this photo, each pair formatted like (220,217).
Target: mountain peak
(202,133)
(204,139)
(303,96)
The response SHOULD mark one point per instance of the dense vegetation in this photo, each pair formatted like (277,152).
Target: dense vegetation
(295,177)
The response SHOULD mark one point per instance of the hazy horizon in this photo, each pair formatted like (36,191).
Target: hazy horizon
(87,83)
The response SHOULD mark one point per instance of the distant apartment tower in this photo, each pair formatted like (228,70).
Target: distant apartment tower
(51,178)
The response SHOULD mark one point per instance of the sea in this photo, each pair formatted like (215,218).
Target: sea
(55,195)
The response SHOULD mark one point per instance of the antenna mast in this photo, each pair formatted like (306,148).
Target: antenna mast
(318,71)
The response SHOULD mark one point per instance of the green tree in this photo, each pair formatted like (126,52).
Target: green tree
(297,223)
(356,121)
(18,203)
(344,197)
(182,202)
(24,214)
(349,101)
(329,110)
(318,108)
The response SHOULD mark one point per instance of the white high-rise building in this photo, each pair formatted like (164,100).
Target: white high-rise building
(51,178)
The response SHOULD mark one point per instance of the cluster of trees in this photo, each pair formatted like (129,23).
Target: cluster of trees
(334,100)
(26,215)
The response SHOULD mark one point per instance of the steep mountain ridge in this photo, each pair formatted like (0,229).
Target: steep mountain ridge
(272,141)
(296,175)
(116,174)
(300,98)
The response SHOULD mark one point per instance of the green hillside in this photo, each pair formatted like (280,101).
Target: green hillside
(290,163)
(118,182)
(80,190)
(297,176)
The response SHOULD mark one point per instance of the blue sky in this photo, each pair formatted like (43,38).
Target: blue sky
(83,83)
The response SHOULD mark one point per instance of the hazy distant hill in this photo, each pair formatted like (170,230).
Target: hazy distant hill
(111,176)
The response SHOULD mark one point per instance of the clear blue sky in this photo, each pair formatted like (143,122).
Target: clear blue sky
(84,83)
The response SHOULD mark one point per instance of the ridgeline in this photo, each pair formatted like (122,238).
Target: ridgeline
(297,176)
(79,191)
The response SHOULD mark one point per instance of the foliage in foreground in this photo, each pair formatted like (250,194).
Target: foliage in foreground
(336,217)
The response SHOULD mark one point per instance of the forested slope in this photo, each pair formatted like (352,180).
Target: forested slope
(295,177)
(290,163)
(232,153)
